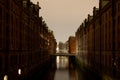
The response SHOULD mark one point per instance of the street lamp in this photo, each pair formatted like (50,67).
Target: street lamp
(19,71)
(5,77)
(19,74)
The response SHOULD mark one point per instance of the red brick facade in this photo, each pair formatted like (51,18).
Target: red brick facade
(100,34)
(72,45)
(24,38)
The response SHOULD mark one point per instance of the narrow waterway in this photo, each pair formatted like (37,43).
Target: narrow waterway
(64,69)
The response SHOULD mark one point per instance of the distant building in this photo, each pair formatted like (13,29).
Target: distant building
(72,44)
(67,46)
(52,43)
(62,47)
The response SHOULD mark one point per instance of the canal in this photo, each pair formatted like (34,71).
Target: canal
(63,69)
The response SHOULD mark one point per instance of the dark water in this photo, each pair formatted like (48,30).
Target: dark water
(64,69)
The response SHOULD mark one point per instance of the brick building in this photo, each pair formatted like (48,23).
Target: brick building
(24,38)
(72,45)
(52,43)
(98,38)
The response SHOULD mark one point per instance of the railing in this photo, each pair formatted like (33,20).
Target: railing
(64,54)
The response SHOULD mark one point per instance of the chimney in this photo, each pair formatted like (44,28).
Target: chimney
(38,3)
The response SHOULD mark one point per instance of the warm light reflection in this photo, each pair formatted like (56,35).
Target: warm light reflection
(57,61)
(57,49)
(61,62)
(106,77)
(5,77)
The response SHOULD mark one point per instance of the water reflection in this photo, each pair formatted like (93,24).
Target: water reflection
(62,72)
(62,62)
(64,68)
(68,70)
(73,73)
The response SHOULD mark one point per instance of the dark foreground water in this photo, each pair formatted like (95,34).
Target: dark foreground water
(63,69)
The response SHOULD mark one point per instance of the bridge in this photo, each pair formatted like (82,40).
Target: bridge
(63,54)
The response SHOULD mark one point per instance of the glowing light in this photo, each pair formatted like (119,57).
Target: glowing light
(57,49)
(19,71)
(5,77)
(57,59)
(58,62)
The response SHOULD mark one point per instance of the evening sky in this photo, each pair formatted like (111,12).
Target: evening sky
(65,16)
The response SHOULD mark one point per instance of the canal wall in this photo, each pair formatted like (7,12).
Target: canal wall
(86,69)
(39,70)
(103,73)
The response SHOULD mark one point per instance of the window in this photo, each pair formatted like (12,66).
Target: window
(106,18)
(118,31)
(0,64)
(118,7)
(0,27)
(12,61)
(24,3)
(6,63)
(7,18)
(7,4)
(0,17)
(118,22)
(0,13)
(110,14)
(7,30)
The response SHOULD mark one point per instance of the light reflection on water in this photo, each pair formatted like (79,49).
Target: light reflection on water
(65,69)
(62,62)
(62,72)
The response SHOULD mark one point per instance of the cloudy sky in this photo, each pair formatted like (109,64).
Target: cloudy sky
(65,16)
